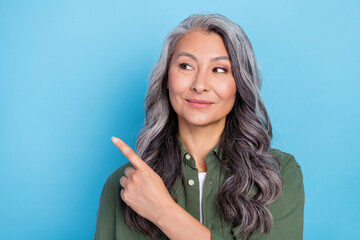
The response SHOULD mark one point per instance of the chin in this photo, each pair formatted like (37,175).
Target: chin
(200,124)
(201,121)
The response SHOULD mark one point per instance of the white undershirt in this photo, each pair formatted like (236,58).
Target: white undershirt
(202,176)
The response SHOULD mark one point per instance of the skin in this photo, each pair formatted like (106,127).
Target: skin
(195,76)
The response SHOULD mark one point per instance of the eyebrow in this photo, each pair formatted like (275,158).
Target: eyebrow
(193,57)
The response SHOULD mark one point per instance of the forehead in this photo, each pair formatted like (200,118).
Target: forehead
(201,42)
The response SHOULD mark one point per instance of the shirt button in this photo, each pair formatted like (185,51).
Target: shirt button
(211,181)
(211,226)
(191,182)
(187,156)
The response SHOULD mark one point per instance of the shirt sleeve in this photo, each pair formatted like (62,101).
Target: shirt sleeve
(287,210)
(105,219)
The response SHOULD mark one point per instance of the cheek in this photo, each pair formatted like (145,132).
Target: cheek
(227,90)
(177,84)
(174,89)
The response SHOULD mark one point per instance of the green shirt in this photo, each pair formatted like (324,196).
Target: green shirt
(287,210)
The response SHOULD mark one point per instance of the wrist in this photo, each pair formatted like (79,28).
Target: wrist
(165,214)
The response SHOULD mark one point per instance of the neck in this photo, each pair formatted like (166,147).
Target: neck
(199,140)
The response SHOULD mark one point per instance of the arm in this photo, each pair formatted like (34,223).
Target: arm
(178,224)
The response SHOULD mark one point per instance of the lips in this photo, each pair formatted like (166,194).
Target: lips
(197,103)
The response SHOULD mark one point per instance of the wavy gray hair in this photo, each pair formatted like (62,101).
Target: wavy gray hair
(244,143)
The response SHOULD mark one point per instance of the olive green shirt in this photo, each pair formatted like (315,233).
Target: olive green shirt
(287,210)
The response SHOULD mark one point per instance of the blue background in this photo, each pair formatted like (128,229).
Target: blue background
(73,74)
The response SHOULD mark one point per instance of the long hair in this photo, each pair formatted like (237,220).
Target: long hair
(244,143)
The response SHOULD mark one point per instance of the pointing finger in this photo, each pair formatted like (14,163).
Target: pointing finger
(136,161)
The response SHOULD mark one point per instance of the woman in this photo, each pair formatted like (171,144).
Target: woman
(204,169)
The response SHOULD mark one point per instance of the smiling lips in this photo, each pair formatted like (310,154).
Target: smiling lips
(199,103)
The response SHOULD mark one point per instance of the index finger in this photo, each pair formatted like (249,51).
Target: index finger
(136,161)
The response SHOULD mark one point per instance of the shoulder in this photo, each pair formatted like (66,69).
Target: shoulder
(289,168)
(290,171)
(287,161)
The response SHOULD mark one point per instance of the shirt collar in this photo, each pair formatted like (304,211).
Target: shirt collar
(209,155)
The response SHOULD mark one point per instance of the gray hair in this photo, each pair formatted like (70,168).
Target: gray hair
(244,143)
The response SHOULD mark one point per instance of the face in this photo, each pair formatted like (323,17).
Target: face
(201,86)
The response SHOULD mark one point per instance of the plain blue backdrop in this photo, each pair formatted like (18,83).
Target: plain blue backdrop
(73,74)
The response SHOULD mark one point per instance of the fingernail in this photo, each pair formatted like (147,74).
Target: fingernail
(114,139)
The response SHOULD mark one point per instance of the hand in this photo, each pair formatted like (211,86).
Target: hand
(143,189)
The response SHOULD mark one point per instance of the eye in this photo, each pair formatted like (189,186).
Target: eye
(220,70)
(185,66)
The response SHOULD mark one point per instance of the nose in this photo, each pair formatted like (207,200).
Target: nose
(200,82)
